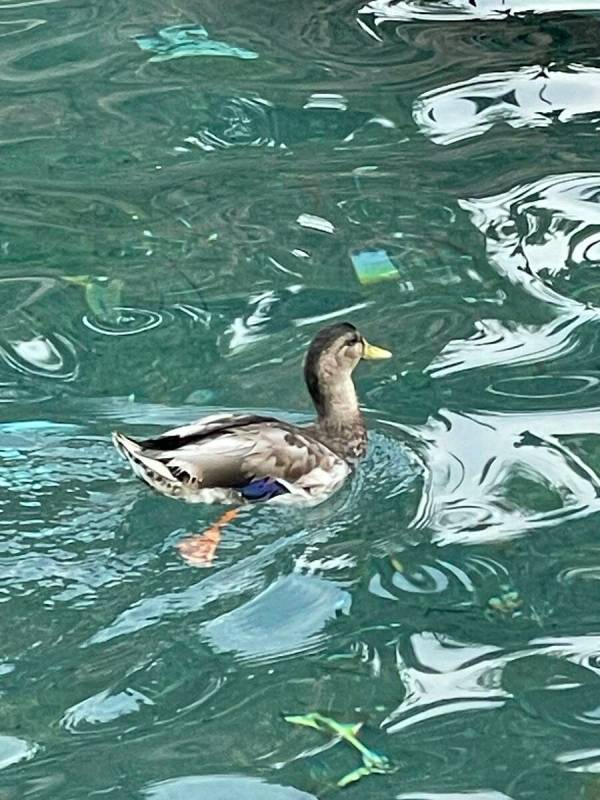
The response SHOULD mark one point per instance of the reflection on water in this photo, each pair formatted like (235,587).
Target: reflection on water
(220,787)
(456,10)
(491,477)
(536,232)
(173,233)
(453,677)
(254,629)
(485,794)
(257,122)
(13,750)
(530,97)
(103,708)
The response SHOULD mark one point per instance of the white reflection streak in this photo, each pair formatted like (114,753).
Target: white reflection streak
(341,312)
(528,97)
(533,233)
(453,677)
(568,203)
(470,460)
(587,761)
(457,10)
(495,343)
(475,794)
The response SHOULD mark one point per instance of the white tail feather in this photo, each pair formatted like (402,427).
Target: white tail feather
(140,462)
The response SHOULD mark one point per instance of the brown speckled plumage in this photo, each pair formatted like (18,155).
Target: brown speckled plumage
(215,458)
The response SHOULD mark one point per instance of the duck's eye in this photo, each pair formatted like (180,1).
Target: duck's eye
(351,341)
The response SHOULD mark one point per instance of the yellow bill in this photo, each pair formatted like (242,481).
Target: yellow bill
(371,351)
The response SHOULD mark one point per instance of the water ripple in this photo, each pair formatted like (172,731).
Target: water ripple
(475,584)
(14,27)
(500,344)
(471,794)
(217,209)
(238,121)
(543,387)
(127,321)
(52,356)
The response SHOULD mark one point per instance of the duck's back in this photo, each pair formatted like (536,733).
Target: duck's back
(236,458)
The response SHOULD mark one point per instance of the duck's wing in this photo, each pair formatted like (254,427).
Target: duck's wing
(248,453)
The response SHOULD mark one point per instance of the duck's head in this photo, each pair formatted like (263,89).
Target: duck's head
(332,356)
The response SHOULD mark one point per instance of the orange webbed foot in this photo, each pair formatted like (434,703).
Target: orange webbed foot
(199,549)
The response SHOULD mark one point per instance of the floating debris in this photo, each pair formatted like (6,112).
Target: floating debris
(316,223)
(373,763)
(372,266)
(179,41)
(507,603)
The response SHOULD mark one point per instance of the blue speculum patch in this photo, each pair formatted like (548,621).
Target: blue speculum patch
(262,489)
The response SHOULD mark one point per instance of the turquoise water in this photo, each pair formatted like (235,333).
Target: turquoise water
(172,234)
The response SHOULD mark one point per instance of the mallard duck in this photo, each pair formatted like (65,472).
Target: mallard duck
(246,458)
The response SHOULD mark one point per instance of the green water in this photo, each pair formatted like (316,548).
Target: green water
(172,234)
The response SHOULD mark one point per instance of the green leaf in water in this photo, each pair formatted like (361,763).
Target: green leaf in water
(355,775)
(102,294)
(104,298)
(325,724)
(397,565)
(373,763)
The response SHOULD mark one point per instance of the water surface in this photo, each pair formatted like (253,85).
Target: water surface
(172,234)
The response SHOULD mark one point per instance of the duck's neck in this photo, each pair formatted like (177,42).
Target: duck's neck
(340,423)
